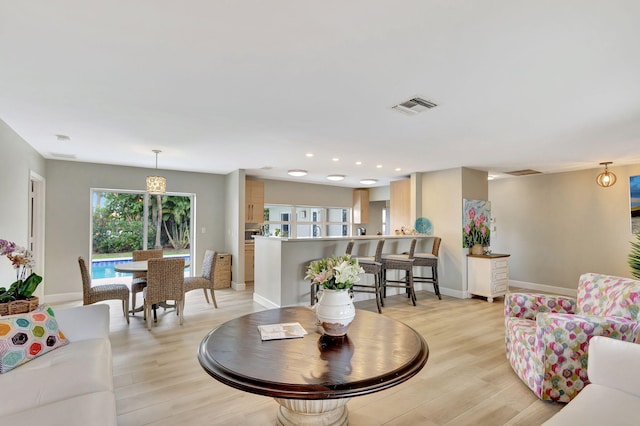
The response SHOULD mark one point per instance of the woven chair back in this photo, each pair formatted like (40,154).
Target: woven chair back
(145,255)
(86,281)
(379,247)
(165,280)
(436,246)
(412,247)
(349,247)
(209,264)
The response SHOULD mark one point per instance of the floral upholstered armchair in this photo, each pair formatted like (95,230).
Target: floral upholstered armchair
(547,337)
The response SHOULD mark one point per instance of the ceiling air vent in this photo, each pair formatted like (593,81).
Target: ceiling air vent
(414,106)
(64,156)
(524,172)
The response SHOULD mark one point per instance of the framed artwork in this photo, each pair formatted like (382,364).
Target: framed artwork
(634,203)
(476,215)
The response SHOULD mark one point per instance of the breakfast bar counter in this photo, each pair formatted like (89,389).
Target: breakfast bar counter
(281,263)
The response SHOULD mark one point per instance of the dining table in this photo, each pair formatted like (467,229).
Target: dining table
(312,377)
(138,266)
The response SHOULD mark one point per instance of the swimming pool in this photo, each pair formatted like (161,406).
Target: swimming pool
(105,268)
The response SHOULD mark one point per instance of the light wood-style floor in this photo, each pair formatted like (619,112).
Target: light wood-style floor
(467,380)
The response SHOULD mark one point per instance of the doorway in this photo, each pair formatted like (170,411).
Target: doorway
(36,226)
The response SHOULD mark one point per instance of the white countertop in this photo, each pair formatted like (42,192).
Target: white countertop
(356,238)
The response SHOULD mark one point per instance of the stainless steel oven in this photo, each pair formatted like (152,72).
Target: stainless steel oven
(249,233)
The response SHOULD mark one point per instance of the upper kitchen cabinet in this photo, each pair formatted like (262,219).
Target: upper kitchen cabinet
(360,206)
(400,205)
(254,201)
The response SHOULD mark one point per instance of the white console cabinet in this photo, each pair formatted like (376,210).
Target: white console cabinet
(488,275)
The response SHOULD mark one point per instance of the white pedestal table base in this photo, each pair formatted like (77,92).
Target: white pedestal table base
(312,412)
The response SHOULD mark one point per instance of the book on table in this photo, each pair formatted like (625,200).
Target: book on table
(288,330)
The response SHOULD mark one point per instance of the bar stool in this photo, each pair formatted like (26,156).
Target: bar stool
(372,265)
(400,262)
(429,260)
(315,287)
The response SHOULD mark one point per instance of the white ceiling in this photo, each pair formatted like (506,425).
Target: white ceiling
(551,85)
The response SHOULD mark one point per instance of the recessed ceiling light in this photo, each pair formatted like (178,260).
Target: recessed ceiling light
(335,177)
(398,169)
(335,159)
(358,163)
(309,154)
(297,173)
(379,166)
(368,181)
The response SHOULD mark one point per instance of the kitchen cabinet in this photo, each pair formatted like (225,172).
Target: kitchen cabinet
(222,273)
(254,201)
(488,275)
(249,251)
(400,205)
(360,206)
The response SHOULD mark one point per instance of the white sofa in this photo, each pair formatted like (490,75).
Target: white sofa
(71,385)
(613,396)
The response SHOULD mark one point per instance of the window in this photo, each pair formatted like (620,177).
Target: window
(385,212)
(277,220)
(307,221)
(124,221)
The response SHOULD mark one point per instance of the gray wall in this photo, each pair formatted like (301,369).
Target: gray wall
(68,213)
(442,205)
(17,160)
(559,226)
(555,226)
(304,194)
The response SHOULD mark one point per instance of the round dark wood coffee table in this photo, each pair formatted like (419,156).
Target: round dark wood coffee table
(313,378)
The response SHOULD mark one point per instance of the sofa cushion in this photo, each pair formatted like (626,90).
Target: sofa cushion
(598,405)
(24,337)
(78,368)
(98,408)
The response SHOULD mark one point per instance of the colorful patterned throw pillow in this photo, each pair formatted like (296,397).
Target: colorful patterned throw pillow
(24,337)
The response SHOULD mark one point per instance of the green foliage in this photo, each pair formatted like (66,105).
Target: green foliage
(118,222)
(176,212)
(634,257)
(20,289)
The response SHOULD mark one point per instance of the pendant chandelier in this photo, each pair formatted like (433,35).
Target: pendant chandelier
(156,185)
(606,178)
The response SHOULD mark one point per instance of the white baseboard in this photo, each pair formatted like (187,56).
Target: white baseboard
(571,292)
(264,301)
(238,286)
(62,297)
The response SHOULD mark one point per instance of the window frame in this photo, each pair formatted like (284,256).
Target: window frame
(322,224)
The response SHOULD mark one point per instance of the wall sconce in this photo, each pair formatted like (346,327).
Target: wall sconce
(156,185)
(606,178)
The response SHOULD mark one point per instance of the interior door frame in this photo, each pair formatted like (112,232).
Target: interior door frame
(36,224)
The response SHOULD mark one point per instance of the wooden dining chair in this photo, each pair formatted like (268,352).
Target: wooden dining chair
(139,280)
(204,281)
(165,281)
(97,293)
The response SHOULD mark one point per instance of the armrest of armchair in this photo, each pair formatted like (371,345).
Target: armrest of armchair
(84,322)
(615,364)
(528,305)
